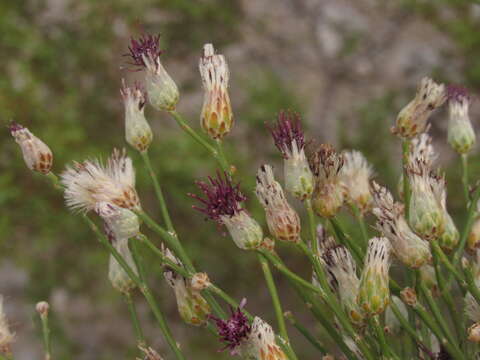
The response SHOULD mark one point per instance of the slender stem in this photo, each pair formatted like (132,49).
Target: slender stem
(158,192)
(306,333)
(46,335)
(133,315)
(142,286)
(222,159)
(406,183)
(361,222)
(345,239)
(386,350)
(282,328)
(312,225)
(465,178)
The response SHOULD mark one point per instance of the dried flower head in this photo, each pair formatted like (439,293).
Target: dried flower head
(426,214)
(200,281)
(409,296)
(90,182)
(290,140)
(374,293)
(36,154)
(407,246)
(412,119)
(192,306)
(234,331)
(6,336)
(137,131)
(355,176)
(461,135)
(217,116)
(328,196)
(261,343)
(342,273)
(283,221)
(222,203)
(161,89)
(118,277)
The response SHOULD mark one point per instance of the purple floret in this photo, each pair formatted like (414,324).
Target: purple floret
(147,45)
(287,129)
(222,197)
(457,93)
(233,331)
(14,127)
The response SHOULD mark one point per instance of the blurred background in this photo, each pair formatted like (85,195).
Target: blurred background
(348,66)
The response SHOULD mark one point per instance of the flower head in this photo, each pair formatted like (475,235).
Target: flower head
(234,331)
(222,203)
(461,135)
(374,293)
(147,46)
(161,89)
(91,182)
(288,133)
(192,306)
(326,165)
(407,246)
(283,221)
(355,176)
(261,343)
(137,131)
(36,154)
(6,336)
(216,117)
(121,223)
(342,273)
(412,119)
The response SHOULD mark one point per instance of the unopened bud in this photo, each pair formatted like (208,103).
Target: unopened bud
(282,220)
(137,131)
(461,135)
(42,308)
(36,154)
(409,296)
(244,230)
(118,277)
(474,333)
(412,119)
(217,115)
(473,242)
(200,281)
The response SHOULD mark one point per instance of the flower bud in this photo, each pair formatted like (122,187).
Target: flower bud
(473,242)
(42,308)
(36,154)
(460,131)
(342,273)
(409,296)
(474,333)
(137,131)
(392,324)
(429,278)
(290,140)
(200,281)
(6,336)
(123,223)
(374,293)
(355,176)
(217,116)
(118,277)
(161,89)
(261,343)
(222,203)
(192,307)
(407,246)
(282,220)
(412,119)
(328,196)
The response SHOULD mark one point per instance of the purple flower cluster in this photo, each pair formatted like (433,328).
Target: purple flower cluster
(147,45)
(14,127)
(235,330)
(222,197)
(457,93)
(287,129)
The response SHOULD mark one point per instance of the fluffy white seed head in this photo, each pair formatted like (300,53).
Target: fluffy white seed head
(91,182)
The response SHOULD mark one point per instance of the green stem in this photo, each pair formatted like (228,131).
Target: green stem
(304,331)
(46,335)
(158,192)
(312,225)
(282,328)
(222,159)
(361,222)
(406,183)
(133,315)
(465,178)
(386,350)
(346,240)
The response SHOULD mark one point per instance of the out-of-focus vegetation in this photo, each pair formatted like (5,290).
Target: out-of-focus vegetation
(61,69)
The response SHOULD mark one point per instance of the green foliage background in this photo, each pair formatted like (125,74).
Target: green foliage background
(61,79)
